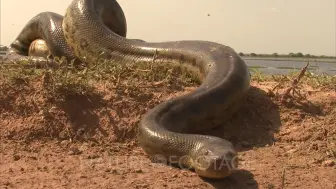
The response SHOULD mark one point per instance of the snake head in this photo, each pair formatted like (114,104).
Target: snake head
(215,159)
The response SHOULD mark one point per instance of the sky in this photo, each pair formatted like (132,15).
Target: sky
(259,26)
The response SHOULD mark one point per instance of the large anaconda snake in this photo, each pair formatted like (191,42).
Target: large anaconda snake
(92,28)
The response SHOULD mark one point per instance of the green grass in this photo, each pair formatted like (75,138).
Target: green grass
(70,79)
(81,80)
(311,79)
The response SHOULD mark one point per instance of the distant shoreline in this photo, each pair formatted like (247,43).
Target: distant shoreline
(303,59)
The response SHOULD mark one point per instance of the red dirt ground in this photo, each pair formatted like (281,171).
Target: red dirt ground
(89,140)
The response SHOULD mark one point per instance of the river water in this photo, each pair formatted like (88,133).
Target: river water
(285,67)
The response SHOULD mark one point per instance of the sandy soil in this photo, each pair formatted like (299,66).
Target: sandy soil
(89,140)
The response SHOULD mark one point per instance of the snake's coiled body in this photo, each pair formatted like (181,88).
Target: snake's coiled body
(92,28)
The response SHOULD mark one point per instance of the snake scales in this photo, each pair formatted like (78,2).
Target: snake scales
(92,28)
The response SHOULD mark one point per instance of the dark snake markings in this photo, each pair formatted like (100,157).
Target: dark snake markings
(95,26)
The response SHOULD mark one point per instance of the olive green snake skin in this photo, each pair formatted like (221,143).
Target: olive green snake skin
(92,28)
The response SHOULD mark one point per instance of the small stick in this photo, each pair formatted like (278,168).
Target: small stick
(294,83)
(283,178)
(155,55)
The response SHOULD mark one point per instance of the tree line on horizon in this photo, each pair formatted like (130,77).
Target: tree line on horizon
(296,55)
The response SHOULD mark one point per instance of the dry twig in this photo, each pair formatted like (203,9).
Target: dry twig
(283,177)
(295,82)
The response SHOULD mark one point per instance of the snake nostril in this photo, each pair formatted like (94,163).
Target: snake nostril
(83,43)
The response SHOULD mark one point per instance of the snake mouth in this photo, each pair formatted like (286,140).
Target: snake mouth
(216,159)
(216,167)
